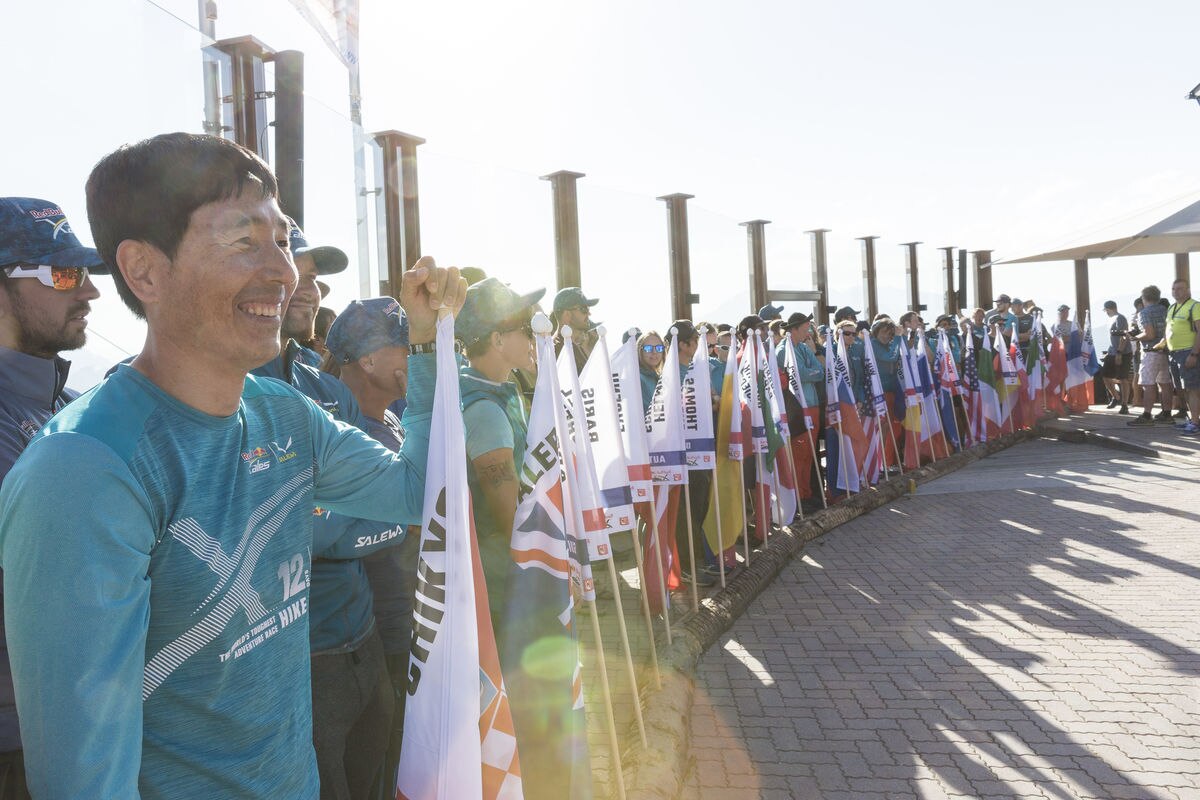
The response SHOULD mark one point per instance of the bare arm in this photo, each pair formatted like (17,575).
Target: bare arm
(499,484)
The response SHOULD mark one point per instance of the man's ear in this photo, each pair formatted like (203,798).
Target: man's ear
(367,363)
(143,266)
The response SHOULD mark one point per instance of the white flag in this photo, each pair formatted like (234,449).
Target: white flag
(577,451)
(696,388)
(664,423)
(442,753)
(627,387)
(596,389)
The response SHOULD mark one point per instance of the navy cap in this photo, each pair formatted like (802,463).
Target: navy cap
(570,297)
(1110,304)
(329,260)
(1016,301)
(366,326)
(1002,298)
(490,303)
(685,331)
(845,312)
(35,231)
(1064,307)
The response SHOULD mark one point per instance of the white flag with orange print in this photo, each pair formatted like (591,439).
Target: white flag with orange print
(458,732)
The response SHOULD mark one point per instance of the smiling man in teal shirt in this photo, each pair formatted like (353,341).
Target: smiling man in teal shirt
(157,535)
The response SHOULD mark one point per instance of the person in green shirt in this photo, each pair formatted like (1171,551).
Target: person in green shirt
(1183,321)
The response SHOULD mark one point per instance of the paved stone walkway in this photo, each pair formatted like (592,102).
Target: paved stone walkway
(1026,627)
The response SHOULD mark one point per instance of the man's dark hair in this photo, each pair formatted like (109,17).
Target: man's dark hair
(149,190)
(325,318)
(1152,293)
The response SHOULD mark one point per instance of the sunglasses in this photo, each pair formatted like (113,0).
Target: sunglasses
(62,279)
(526,329)
(653,348)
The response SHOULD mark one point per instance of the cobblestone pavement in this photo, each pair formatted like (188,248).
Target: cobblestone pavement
(1026,627)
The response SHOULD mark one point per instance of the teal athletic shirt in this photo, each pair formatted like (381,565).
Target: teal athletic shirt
(156,567)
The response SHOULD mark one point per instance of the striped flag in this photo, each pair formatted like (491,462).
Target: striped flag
(458,733)
(577,450)
(603,415)
(540,647)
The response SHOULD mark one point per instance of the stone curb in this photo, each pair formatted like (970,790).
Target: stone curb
(658,772)
(1077,435)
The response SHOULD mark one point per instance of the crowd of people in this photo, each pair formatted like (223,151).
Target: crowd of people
(220,601)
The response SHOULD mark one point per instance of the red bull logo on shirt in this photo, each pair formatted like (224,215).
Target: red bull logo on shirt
(257,459)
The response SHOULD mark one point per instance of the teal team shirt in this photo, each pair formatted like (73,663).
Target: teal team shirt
(157,564)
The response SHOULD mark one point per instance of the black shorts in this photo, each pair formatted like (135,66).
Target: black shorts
(1118,366)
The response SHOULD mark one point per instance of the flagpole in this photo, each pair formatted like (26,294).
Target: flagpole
(887,416)
(954,417)
(637,705)
(745,524)
(641,572)
(882,447)
(613,744)
(687,499)
(812,445)
(662,584)
(795,478)
(716,490)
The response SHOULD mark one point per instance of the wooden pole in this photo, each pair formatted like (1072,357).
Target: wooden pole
(641,572)
(887,416)
(810,434)
(745,524)
(687,499)
(716,489)
(613,742)
(759,474)
(657,546)
(637,703)
(791,458)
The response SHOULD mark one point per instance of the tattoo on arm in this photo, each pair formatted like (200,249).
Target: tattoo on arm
(496,474)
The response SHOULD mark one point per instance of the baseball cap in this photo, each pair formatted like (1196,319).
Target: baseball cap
(36,231)
(329,260)
(323,288)
(845,312)
(796,319)
(1110,304)
(684,330)
(570,297)
(365,326)
(1002,298)
(770,312)
(490,303)
(1017,301)
(749,322)
(1064,307)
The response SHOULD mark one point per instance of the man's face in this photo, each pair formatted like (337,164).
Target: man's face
(710,342)
(723,339)
(687,349)
(1112,312)
(1002,307)
(1180,291)
(516,346)
(224,292)
(390,370)
(301,313)
(43,321)
(1063,313)
(577,317)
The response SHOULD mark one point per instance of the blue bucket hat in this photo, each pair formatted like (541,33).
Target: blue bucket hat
(571,297)
(490,303)
(329,260)
(34,231)
(366,326)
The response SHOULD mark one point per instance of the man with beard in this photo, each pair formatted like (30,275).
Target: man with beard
(44,302)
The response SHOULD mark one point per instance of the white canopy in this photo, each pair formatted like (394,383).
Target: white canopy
(1178,233)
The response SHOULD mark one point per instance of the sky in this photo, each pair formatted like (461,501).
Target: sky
(1020,128)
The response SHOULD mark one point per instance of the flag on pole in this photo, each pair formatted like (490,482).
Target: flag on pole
(540,648)
(577,449)
(603,416)
(729,464)
(916,429)
(627,388)
(1036,366)
(696,393)
(779,476)
(992,415)
(930,405)
(665,439)
(972,403)
(458,732)
(841,410)
(748,391)
(1007,381)
(876,418)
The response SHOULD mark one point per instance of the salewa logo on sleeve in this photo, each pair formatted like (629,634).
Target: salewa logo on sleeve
(257,460)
